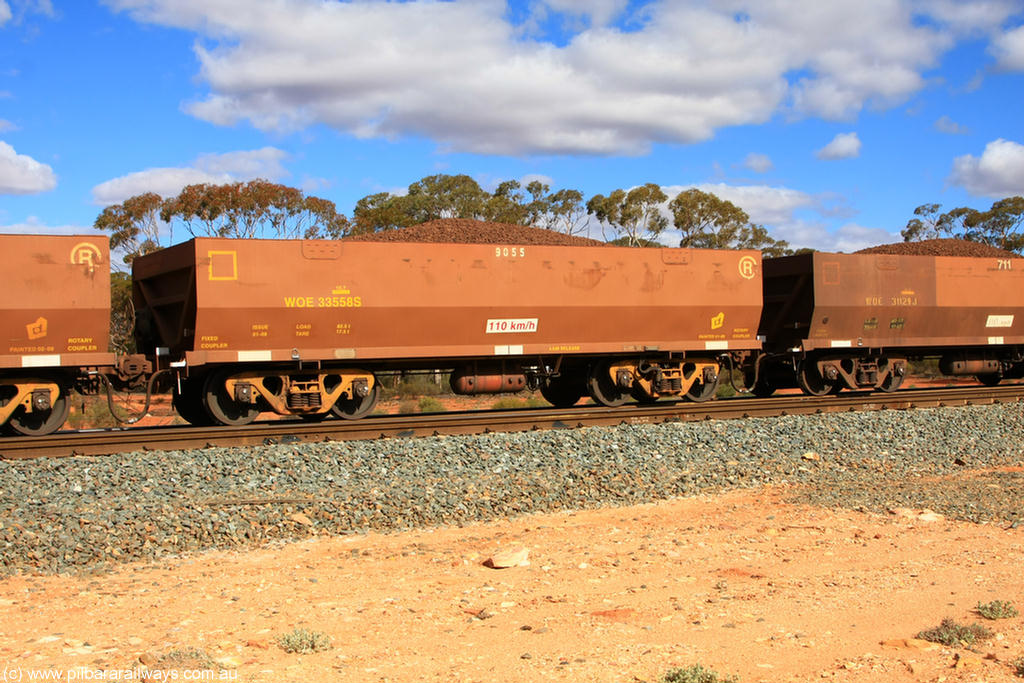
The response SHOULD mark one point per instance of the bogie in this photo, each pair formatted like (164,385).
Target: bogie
(646,380)
(236,396)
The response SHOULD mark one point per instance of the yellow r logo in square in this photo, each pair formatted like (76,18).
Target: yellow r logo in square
(37,330)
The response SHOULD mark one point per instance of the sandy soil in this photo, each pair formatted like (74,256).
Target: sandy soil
(742,583)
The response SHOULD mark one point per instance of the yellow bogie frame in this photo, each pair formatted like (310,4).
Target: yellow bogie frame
(290,394)
(26,396)
(652,380)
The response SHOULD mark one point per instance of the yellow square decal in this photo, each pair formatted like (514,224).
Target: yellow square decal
(223,265)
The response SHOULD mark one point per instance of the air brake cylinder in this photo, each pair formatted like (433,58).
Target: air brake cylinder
(968,365)
(469,381)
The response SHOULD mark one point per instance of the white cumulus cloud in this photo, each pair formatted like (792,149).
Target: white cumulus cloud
(763,203)
(814,233)
(21,174)
(843,146)
(25,7)
(461,74)
(999,172)
(1008,49)
(853,237)
(944,124)
(258,163)
(979,17)
(758,163)
(209,168)
(33,225)
(791,215)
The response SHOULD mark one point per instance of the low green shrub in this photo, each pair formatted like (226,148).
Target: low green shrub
(695,674)
(419,385)
(952,634)
(1018,666)
(90,412)
(515,402)
(997,609)
(188,658)
(429,404)
(301,641)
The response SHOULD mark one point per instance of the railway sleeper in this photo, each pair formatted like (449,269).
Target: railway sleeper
(288,393)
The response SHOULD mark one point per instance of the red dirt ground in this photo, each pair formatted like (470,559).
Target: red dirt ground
(741,583)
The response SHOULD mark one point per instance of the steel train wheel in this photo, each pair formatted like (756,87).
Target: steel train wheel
(810,380)
(891,383)
(603,390)
(40,422)
(355,408)
(221,407)
(189,403)
(3,401)
(701,391)
(990,379)
(563,391)
(642,397)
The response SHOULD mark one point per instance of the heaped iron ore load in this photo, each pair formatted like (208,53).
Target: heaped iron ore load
(54,318)
(468,231)
(301,327)
(941,247)
(834,321)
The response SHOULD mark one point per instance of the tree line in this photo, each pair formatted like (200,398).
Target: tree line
(633,217)
(257,208)
(999,226)
(638,216)
(459,196)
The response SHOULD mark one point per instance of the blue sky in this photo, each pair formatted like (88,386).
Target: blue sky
(829,122)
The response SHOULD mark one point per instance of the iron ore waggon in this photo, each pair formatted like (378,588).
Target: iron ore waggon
(54,325)
(309,328)
(835,321)
(306,327)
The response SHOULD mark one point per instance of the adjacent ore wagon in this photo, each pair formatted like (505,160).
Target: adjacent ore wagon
(853,320)
(54,325)
(305,327)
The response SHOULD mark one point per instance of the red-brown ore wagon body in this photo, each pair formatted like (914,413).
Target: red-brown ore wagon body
(500,316)
(853,320)
(54,322)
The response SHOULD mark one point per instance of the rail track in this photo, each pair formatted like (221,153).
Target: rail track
(113,441)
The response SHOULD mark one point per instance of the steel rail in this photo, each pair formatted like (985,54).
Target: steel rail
(122,440)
